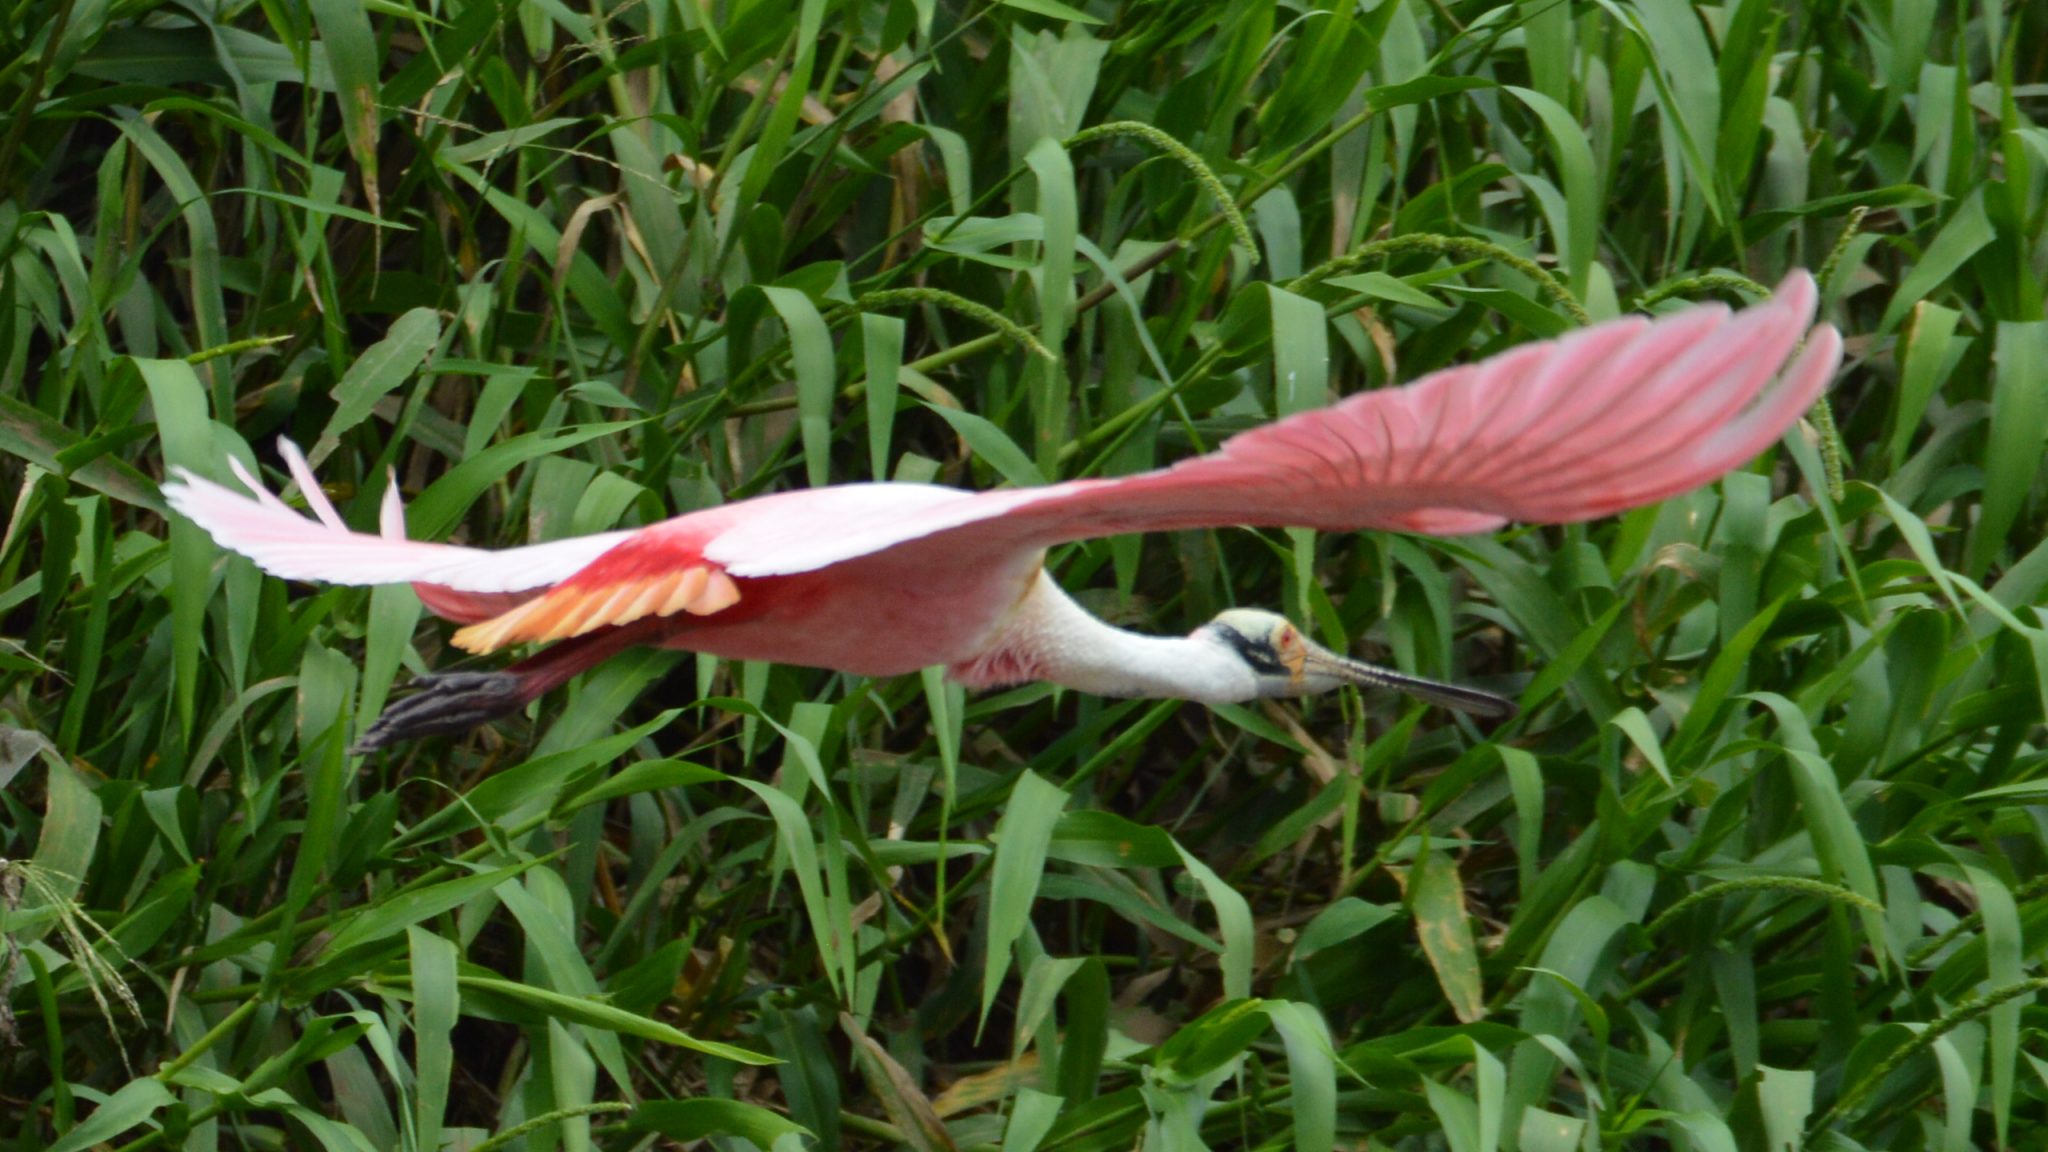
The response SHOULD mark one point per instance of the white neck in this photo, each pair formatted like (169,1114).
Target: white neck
(1049,637)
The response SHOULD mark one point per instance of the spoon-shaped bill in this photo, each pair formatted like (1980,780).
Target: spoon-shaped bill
(1484,705)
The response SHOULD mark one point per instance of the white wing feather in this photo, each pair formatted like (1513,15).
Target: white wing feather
(285,543)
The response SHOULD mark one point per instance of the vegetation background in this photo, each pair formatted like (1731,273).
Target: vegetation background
(1759,867)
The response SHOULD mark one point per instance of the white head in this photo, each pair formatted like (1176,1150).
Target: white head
(1286,663)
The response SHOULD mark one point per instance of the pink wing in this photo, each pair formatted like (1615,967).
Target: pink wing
(1606,418)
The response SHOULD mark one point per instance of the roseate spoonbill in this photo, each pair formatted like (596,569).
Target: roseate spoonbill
(883,579)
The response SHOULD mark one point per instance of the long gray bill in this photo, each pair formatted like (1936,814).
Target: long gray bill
(1468,700)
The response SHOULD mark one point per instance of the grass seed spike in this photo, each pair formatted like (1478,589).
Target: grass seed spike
(884,579)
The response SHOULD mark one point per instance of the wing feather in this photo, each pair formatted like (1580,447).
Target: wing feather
(1609,417)
(284,543)
(651,574)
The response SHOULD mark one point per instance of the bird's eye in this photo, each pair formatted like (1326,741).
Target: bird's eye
(1259,654)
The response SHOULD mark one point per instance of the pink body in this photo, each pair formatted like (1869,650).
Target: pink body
(801,619)
(883,579)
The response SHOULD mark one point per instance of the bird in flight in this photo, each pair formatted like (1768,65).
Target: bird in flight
(883,579)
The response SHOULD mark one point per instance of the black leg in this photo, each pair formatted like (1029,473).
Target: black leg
(445,702)
(457,701)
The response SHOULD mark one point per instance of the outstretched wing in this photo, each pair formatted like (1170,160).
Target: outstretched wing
(507,596)
(1606,418)
(284,543)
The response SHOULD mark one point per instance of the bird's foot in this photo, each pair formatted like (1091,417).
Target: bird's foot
(445,702)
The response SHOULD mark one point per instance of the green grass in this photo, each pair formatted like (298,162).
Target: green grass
(1759,867)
